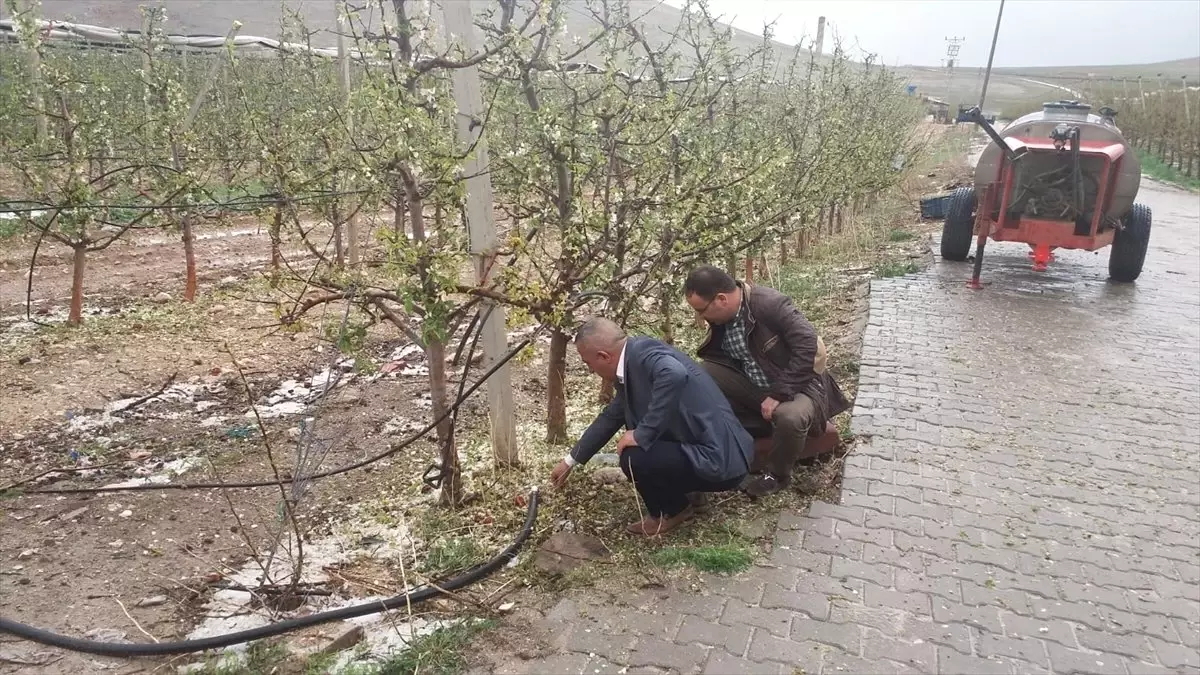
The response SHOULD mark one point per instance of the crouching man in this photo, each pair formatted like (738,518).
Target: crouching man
(770,364)
(682,435)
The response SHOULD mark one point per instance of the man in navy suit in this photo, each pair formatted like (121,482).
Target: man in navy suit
(682,435)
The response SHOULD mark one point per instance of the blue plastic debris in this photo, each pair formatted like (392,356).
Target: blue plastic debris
(933,207)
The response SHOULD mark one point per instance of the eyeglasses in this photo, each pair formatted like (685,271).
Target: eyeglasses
(702,310)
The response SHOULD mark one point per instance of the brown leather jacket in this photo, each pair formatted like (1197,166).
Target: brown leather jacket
(786,346)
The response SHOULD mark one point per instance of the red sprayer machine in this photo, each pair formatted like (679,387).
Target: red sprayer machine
(1061,177)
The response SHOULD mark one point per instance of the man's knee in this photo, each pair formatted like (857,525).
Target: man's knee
(631,460)
(796,416)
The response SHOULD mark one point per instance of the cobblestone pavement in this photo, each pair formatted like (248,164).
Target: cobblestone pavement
(1027,499)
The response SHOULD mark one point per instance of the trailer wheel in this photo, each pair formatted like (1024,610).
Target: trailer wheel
(959,226)
(1129,245)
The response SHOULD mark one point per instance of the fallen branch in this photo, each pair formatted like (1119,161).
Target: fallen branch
(135,622)
(148,397)
(48,472)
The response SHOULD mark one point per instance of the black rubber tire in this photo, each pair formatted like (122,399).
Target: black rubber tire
(1129,245)
(959,227)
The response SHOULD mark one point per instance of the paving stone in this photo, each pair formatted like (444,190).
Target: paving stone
(668,655)
(915,653)
(836,662)
(775,621)
(950,661)
(722,663)
(845,636)
(1067,661)
(1132,645)
(1028,650)
(812,605)
(593,641)
(732,639)
(947,588)
(1176,655)
(917,603)
(878,574)
(1024,627)
(805,656)
(569,663)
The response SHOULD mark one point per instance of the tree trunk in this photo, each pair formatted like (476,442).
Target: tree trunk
(749,267)
(335,217)
(666,312)
(451,494)
(840,224)
(401,208)
(556,389)
(76,315)
(189,257)
(435,354)
(783,243)
(276,254)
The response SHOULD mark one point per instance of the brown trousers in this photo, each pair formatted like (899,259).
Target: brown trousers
(788,429)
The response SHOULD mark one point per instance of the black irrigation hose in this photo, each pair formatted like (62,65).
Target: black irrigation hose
(188,646)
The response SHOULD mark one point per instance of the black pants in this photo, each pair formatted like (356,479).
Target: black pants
(664,477)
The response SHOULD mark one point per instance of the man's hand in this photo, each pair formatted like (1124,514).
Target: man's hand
(558,477)
(768,408)
(626,441)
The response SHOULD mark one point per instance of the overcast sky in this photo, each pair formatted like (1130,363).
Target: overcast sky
(1032,32)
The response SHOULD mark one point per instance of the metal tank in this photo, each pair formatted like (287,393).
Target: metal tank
(1093,128)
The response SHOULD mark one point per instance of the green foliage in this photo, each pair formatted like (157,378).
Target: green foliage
(447,557)
(727,559)
(895,268)
(899,234)
(442,652)
(1159,170)
(1159,119)
(260,657)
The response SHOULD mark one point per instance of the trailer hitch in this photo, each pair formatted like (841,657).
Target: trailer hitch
(976,116)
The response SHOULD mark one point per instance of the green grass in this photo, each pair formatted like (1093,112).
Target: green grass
(450,556)
(727,559)
(895,268)
(1159,170)
(899,234)
(442,652)
(260,658)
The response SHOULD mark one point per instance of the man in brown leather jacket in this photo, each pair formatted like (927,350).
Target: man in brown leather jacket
(769,362)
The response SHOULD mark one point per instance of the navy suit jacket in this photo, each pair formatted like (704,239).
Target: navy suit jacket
(667,397)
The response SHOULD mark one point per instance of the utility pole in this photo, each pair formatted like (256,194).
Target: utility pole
(481,229)
(820,46)
(987,74)
(340,9)
(952,47)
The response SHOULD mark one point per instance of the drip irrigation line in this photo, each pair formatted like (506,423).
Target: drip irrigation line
(413,597)
(146,487)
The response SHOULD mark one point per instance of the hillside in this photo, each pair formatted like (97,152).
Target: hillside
(1171,70)
(1008,87)
(262,17)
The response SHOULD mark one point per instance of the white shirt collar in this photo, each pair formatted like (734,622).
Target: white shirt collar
(621,363)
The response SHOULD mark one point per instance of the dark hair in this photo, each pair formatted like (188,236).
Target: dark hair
(707,281)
